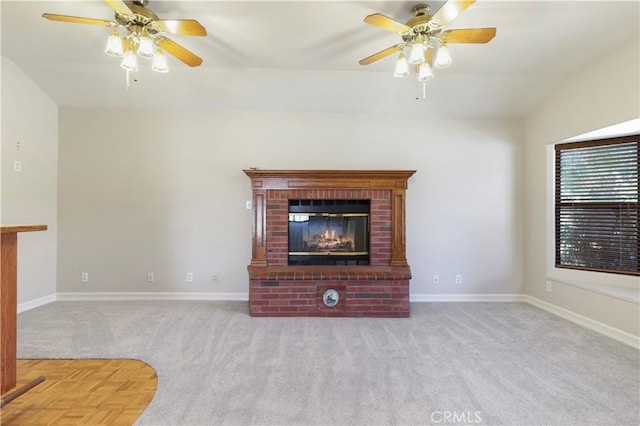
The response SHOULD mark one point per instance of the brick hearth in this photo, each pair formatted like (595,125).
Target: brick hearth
(380,289)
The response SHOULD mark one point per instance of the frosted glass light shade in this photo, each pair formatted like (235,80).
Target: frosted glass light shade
(114,45)
(402,66)
(160,62)
(130,62)
(443,57)
(417,53)
(424,72)
(145,47)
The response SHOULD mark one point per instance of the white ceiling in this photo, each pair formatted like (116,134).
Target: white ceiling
(303,55)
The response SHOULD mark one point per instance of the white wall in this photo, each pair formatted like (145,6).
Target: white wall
(30,196)
(163,191)
(603,94)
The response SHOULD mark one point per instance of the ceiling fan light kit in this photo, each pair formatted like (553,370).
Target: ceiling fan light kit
(145,35)
(422,34)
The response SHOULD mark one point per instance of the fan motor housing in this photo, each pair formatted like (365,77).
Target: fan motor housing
(421,16)
(141,16)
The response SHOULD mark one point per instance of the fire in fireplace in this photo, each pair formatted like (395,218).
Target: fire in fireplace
(329,232)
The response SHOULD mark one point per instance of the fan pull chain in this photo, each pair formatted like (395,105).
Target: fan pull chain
(424,91)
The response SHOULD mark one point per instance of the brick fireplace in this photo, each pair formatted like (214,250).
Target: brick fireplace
(378,288)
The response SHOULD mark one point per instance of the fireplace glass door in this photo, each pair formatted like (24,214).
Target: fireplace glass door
(337,234)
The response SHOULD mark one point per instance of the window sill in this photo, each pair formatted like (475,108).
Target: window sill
(628,294)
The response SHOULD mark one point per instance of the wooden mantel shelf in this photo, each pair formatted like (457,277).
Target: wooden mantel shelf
(350,174)
(329,179)
(9,300)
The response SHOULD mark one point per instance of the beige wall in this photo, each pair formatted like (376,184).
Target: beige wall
(163,191)
(605,93)
(30,118)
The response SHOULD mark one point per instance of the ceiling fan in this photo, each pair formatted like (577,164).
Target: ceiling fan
(144,34)
(422,34)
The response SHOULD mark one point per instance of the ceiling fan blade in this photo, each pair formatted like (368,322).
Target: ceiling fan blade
(119,6)
(386,23)
(381,54)
(470,35)
(179,52)
(450,11)
(189,27)
(78,20)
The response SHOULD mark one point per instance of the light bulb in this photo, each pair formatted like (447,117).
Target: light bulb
(160,62)
(417,53)
(424,72)
(402,66)
(145,48)
(130,61)
(443,57)
(114,45)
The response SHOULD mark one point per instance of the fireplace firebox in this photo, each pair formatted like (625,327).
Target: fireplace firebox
(329,232)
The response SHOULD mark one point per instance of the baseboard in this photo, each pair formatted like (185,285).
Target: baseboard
(35,303)
(243,297)
(607,330)
(84,297)
(466,297)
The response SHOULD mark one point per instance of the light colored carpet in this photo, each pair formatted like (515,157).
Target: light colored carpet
(477,363)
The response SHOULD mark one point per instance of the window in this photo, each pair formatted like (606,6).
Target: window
(596,205)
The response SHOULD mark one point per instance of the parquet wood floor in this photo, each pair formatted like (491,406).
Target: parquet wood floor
(82,392)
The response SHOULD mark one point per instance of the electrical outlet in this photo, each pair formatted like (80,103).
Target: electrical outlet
(17,166)
(150,277)
(549,286)
(189,277)
(84,277)
(436,279)
(248,204)
(458,279)
(214,277)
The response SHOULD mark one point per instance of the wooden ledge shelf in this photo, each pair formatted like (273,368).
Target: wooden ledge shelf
(8,229)
(332,273)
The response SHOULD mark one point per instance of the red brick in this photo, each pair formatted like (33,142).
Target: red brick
(296,293)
